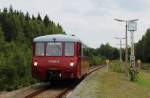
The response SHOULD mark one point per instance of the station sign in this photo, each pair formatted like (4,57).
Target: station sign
(139,61)
(107,61)
(132,26)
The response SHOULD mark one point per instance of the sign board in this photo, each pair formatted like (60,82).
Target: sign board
(107,61)
(132,26)
(139,61)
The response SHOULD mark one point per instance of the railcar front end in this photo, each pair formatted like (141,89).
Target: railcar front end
(57,56)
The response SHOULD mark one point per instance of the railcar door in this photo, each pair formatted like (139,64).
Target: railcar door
(69,53)
(69,59)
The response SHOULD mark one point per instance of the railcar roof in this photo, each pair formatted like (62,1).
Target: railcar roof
(56,37)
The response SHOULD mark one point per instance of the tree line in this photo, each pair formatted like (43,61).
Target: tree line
(99,55)
(142,48)
(17,31)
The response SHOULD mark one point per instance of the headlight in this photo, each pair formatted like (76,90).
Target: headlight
(71,64)
(35,64)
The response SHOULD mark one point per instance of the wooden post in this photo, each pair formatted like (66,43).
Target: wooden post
(107,62)
(139,65)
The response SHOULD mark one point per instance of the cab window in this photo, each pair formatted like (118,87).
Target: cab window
(69,49)
(39,49)
(54,49)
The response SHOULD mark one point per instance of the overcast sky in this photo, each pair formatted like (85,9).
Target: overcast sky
(90,20)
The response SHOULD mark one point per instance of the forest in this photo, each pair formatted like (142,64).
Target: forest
(17,31)
(142,48)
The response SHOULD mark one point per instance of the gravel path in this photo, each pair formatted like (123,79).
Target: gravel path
(23,92)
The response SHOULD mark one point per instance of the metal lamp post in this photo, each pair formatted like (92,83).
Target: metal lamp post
(126,41)
(132,26)
(120,46)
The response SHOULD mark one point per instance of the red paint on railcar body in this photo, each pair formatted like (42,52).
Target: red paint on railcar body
(47,66)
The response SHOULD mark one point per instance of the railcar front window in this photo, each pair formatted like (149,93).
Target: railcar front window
(54,49)
(69,49)
(39,49)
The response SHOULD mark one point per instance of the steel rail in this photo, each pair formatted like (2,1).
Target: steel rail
(65,90)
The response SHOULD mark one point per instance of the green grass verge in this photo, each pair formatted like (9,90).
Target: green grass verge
(144,79)
(116,66)
(104,84)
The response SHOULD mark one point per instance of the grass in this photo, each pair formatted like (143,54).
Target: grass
(116,66)
(144,79)
(104,84)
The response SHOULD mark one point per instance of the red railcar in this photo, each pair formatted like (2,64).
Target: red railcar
(58,56)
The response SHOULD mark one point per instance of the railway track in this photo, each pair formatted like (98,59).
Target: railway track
(58,90)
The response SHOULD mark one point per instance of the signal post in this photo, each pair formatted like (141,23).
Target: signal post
(132,26)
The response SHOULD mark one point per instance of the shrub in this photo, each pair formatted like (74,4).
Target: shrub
(116,66)
(95,60)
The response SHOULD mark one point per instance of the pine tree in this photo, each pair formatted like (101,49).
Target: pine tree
(27,17)
(11,9)
(33,18)
(46,20)
(5,10)
(39,17)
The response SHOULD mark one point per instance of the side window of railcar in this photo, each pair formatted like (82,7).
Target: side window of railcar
(79,49)
(69,49)
(54,49)
(39,49)
(84,51)
(82,46)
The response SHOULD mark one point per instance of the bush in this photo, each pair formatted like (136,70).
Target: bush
(15,71)
(145,66)
(95,60)
(116,66)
